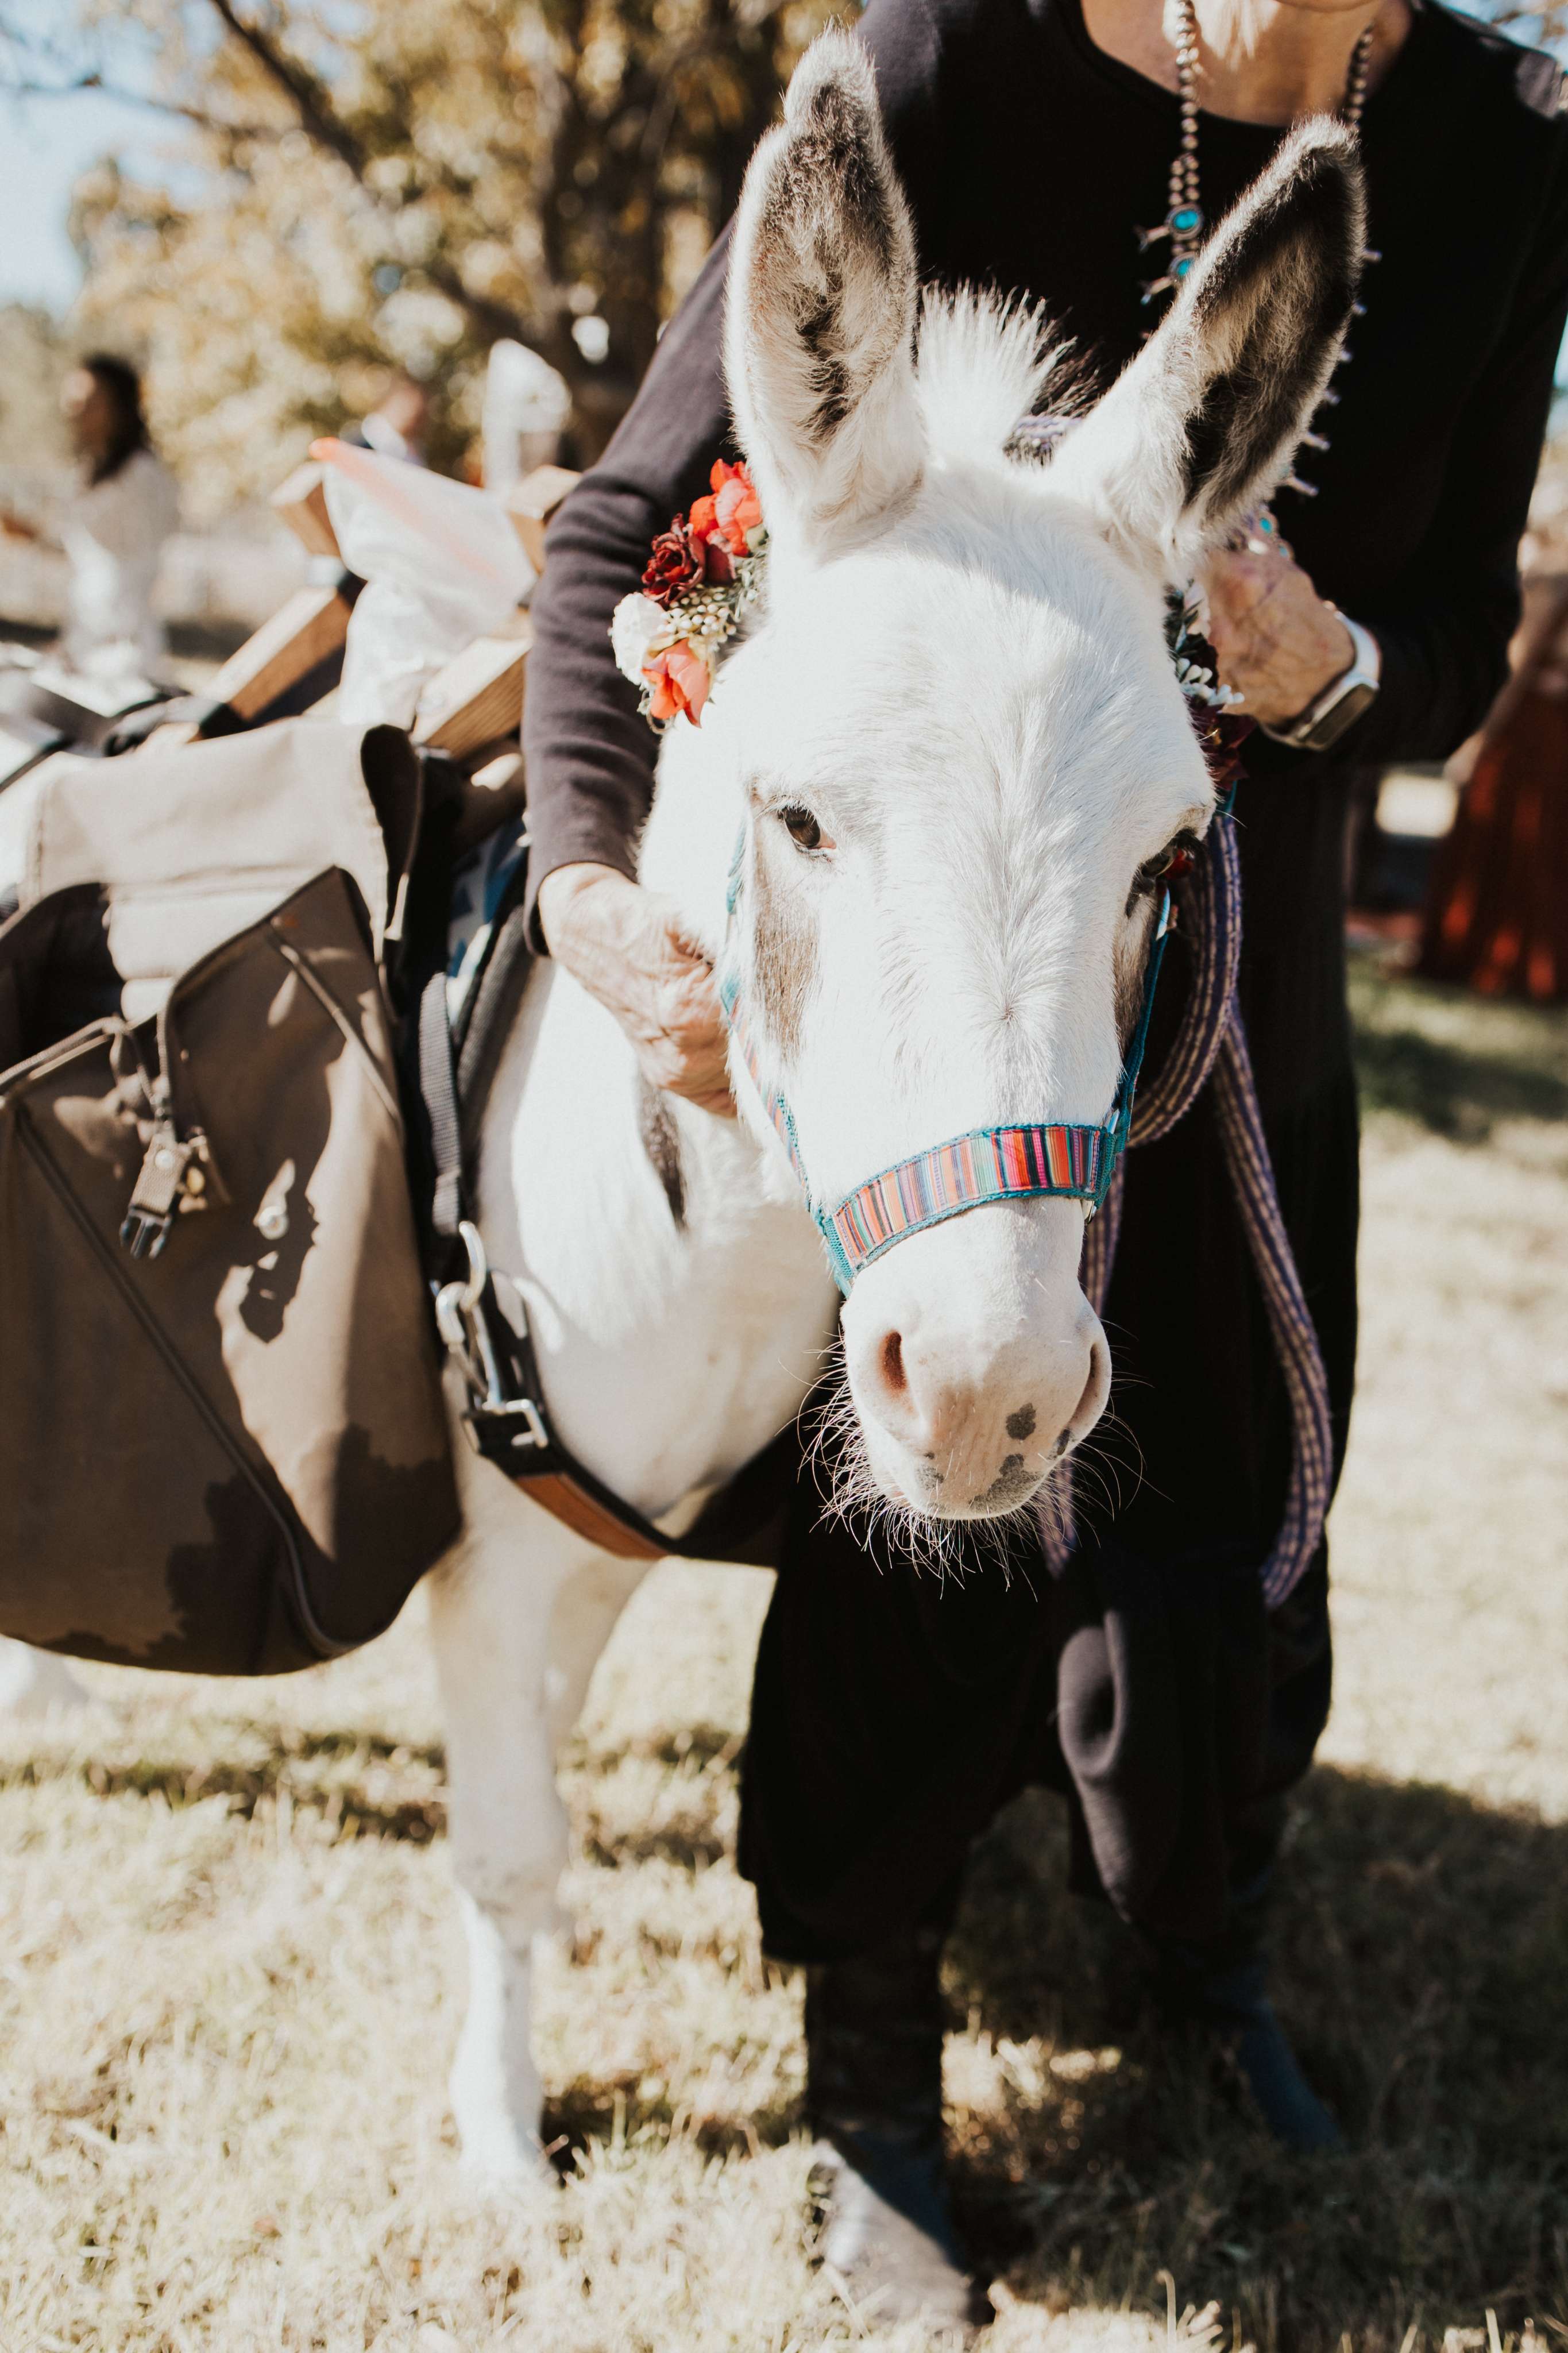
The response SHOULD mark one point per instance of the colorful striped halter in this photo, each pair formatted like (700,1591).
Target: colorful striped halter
(1074,1163)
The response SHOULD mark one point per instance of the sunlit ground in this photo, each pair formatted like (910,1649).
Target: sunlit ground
(230,1978)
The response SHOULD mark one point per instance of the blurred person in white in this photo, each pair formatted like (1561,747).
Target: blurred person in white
(113,527)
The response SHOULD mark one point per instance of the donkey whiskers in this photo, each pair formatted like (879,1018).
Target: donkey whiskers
(841,1470)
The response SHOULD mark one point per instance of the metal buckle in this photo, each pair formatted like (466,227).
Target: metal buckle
(144,1232)
(460,1320)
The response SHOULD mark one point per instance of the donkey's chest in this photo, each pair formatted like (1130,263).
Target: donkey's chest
(672,1347)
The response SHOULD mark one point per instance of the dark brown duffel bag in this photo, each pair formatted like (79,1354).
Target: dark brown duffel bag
(222,1442)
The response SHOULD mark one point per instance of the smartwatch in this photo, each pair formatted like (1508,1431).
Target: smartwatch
(1329,714)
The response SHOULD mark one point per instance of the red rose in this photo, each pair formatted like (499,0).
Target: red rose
(674,566)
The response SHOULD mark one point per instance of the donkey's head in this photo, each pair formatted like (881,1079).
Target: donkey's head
(964,752)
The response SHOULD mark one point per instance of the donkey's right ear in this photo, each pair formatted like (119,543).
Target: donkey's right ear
(1203,422)
(820,320)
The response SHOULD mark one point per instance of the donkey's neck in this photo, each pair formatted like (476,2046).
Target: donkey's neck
(676,1288)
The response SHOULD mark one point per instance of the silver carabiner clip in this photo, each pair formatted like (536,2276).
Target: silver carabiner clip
(460,1321)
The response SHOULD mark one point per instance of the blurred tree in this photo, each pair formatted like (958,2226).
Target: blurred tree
(34,356)
(1543,27)
(348,184)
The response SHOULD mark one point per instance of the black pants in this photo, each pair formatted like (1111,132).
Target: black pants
(892,1714)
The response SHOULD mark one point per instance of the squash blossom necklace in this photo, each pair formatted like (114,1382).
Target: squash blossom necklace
(1185,224)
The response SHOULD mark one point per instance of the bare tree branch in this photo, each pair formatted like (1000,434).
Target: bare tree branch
(146,100)
(298,84)
(320,123)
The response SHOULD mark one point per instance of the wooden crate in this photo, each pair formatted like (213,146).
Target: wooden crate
(477,698)
(302,634)
(532,503)
(302,501)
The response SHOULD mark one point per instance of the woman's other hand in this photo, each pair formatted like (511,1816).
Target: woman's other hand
(1275,639)
(630,948)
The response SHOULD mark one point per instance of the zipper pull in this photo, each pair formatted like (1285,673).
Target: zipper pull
(157,1190)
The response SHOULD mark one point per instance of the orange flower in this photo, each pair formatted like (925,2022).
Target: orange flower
(736,507)
(680,680)
(709,545)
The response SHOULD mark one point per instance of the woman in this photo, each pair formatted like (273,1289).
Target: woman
(114,526)
(1058,147)
(1496,904)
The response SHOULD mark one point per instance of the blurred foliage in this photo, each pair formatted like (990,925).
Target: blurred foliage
(34,352)
(348,186)
(1538,28)
(344,187)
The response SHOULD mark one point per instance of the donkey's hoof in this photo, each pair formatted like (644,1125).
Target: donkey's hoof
(895,2261)
(504,2168)
(37,1684)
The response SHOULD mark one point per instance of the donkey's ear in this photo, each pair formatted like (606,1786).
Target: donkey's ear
(1202,424)
(819,334)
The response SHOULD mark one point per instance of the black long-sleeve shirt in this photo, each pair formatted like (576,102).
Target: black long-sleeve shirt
(1030,157)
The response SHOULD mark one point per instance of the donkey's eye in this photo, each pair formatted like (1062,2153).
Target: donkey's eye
(1174,859)
(802,827)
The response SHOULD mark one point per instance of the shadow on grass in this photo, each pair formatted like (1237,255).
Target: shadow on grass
(1450,1089)
(688,1847)
(1456,1063)
(1422,1967)
(352,1810)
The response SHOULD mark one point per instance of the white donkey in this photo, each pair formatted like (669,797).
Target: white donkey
(956,755)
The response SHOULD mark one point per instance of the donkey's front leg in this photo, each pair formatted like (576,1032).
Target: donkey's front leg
(36,1683)
(519,1617)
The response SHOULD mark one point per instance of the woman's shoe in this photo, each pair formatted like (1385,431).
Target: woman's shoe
(1230,2007)
(873,2037)
(1237,2010)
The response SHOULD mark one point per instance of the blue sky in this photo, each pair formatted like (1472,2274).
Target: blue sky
(46,144)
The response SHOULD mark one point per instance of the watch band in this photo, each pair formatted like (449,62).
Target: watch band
(1342,703)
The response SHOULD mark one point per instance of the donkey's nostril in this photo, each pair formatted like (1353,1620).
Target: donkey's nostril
(1096,1390)
(893,1363)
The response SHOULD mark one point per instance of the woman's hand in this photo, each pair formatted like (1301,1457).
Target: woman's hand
(630,950)
(1275,639)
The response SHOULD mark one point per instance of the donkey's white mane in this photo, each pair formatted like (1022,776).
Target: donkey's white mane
(983,363)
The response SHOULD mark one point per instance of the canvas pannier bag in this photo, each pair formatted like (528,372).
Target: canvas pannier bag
(222,1442)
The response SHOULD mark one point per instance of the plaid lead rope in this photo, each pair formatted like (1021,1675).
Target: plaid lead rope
(1213,1041)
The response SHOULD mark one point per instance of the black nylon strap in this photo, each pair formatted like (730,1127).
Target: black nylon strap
(88,730)
(744,1521)
(209,718)
(439,1086)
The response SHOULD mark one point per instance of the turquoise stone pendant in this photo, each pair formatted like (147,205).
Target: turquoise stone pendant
(1183,223)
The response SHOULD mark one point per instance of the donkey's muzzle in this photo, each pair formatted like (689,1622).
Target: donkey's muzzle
(975,1362)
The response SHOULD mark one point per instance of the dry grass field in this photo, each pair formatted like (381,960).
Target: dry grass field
(230,1973)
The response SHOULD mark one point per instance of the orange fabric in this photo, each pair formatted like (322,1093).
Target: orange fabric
(1497,909)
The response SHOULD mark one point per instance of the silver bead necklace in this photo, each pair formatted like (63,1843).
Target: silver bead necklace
(1185,224)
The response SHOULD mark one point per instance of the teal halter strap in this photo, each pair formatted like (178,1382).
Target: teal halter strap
(1070,1161)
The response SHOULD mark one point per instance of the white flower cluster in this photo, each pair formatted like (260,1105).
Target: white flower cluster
(1200,685)
(705,619)
(638,630)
